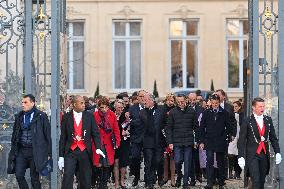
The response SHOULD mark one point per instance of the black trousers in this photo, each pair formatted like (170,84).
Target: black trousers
(136,150)
(257,168)
(195,170)
(152,160)
(210,169)
(81,160)
(233,165)
(25,160)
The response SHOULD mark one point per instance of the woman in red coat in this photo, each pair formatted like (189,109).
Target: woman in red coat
(110,139)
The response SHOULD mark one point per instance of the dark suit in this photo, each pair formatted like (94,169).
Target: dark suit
(136,138)
(77,158)
(214,129)
(257,164)
(152,150)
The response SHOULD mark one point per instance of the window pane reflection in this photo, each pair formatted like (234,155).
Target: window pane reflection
(120,64)
(233,27)
(233,58)
(78,28)
(176,63)
(135,64)
(119,28)
(192,27)
(191,59)
(176,28)
(78,65)
(135,28)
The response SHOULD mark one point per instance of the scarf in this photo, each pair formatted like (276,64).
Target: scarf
(27,118)
(104,122)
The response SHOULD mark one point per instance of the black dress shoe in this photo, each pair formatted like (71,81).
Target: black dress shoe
(162,183)
(208,187)
(199,179)
(185,186)
(135,182)
(178,182)
(192,183)
(221,185)
(150,186)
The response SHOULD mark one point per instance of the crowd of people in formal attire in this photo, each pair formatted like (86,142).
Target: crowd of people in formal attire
(181,140)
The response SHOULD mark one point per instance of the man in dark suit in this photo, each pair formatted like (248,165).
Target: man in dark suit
(253,146)
(30,143)
(229,108)
(214,127)
(136,137)
(78,129)
(195,171)
(152,150)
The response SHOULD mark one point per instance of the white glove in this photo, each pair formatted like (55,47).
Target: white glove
(99,152)
(61,163)
(242,162)
(278,158)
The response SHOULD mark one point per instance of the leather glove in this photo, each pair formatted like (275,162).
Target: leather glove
(278,158)
(242,162)
(99,152)
(61,163)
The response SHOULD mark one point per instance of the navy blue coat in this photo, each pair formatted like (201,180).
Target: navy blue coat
(214,133)
(41,137)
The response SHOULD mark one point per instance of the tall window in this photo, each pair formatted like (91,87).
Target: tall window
(75,46)
(127,54)
(237,51)
(184,53)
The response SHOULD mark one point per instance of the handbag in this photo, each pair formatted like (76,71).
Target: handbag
(11,168)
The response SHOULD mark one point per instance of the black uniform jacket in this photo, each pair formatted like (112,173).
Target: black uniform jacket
(249,138)
(89,131)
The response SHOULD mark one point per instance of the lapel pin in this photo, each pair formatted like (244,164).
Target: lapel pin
(262,139)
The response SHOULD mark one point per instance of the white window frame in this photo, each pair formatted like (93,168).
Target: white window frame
(127,38)
(185,38)
(71,39)
(241,38)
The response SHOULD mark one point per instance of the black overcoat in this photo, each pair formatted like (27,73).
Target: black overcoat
(89,129)
(214,132)
(41,138)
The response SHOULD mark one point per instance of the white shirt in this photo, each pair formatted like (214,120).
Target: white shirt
(77,117)
(141,107)
(222,104)
(259,120)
